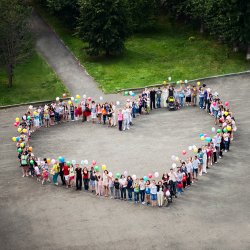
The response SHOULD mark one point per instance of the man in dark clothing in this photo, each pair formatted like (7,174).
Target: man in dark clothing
(152,98)
(61,164)
(78,177)
(158,97)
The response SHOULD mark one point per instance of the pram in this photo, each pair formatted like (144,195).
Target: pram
(171,103)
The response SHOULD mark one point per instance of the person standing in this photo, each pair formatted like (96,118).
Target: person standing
(61,164)
(165,96)
(158,98)
(78,171)
(152,98)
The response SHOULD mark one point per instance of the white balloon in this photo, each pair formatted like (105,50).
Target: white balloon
(57,99)
(190,148)
(84,96)
(82,162)
(167,193)
(186,81)
(213,129)
(194,147)
(173,157)
(53,161)
(110,174)
(130,92)
(174,165)
(73,161)
(209,90)
(133,176)
(156,174)
(72,98)
(125,173)
(86,162)
(117,103)
(169,78)
(177,158)
(30,107)
(101,98)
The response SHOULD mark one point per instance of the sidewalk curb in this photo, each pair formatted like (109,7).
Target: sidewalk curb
(189,81)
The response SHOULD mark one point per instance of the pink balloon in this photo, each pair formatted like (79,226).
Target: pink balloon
(89,98)
(184,152)
(226,103)
(214,103)
(205,135)
(150,175)
(15,124)
(93,163)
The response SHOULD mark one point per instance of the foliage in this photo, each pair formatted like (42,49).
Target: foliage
(15,35)
(104,24)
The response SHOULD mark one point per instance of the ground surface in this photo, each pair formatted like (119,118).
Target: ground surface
(150,57)
(33,80)
(213,214)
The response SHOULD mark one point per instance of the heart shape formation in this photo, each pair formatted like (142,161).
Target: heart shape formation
(104,183)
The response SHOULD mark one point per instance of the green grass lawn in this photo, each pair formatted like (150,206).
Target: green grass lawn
(34,80)
(151,57)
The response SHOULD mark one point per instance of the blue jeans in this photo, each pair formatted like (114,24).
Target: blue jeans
(136,196)
(158,102)
(130,191)
(226,144)
(55,178)
(182,101)
(142,193)
(201,102)
(72,115)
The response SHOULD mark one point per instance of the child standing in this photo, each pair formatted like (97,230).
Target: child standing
(147,191)
(142,190)
(117,188)
(160,194)
(120,119)
(136,187)
(153,193)
(111,187)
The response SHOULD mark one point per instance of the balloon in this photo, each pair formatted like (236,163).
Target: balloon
(150,175)
(205,135)
(214,103)
(218,130)
(24,130)
(30,149)
(101,98)
(69,102)
(202,138)
(169,78)
(15,124)
(145,178)
(82,162)
(184,152)
(194,147)
(60,159)
(125,173)
(208,139)
(177,158)
(17,139)
(224,130)
(84,96)
(72,98)
(229,128)
(19,130)
(126,93)
(117,103)
(226,103)
(68,163)
(104,167)
(133,94)
(78,96)
(31,162)
(93,163)
(130,92)
(86,162)
(73,162)
(173,157)
(76,100)
(221,120)
(17,119)
(190,148)
(64,95)
(110,174)
(57,99)
(96,168)
(164,82)
(28,118)
(89,99)
(195,150)
(53,161)
(178,82)
(13,139)
(208,90)
(30,107)
(226,113)
(19,150)
(201,135)
(186,81)
(198,83)
(174,165)
(133,176)
(22,145)
(213,129)
(118,175)
(156,174)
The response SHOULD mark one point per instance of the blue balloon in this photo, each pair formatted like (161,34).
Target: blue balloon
(17,139)
(61,159)
(201,135)
(145,178)
(133,94)
(207,139)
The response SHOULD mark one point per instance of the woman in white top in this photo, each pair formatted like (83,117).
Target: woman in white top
(165,96)
(105,183)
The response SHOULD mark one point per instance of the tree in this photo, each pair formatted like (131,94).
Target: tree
(15,35)
(104,24)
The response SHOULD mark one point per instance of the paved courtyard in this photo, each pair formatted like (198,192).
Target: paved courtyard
(213,214)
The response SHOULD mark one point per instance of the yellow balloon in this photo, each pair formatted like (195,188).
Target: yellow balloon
(14,139)
(78,97)
(104,167)
(198,83)
(226,113)
(19,130)
(69,102)
(196,150)
(24,130)
(202,138)
(22,145)
(164,82)
(229,128)
(17,119)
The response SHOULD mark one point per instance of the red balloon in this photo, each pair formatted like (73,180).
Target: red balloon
(15,124)
(226,103)
(150,175)
(221,120)
(184,152)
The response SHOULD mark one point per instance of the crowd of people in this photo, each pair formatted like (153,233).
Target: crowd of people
(151,189)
